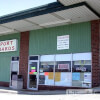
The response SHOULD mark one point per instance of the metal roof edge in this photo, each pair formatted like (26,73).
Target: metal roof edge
(54,4)
(4,19)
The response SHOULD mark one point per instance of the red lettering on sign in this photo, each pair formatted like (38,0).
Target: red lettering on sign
(13,48)
(9,45)
(11,42)
(2,49)
(7,42)
(9,48)
(5,48)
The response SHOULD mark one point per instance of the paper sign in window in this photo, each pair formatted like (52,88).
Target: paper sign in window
(63,66)
(76,76)
(87,77)
(33,67)
(50,75)
(35,73)
(57,76)
(33,70)
(46,73)
(31,73)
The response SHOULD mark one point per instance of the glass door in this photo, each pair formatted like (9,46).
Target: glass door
(33,75)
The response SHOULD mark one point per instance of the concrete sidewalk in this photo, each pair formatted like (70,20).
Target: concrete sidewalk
(96,90)
(47,92)
(30,92)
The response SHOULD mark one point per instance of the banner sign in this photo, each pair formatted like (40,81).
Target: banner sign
(62,42)
(9,45)
(83,69)
(63,66)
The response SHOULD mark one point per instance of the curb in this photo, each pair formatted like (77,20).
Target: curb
(49,92)
(33,92)
(8,91)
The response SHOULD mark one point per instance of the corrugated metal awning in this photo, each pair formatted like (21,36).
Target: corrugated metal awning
(95,4)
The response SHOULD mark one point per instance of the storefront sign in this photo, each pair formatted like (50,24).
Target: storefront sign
(63,66)
(83,69)
(9,45)
(62,42)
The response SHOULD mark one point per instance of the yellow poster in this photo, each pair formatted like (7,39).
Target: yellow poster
(50,75)
(57,76)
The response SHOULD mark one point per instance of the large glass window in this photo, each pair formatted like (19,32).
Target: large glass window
(46,66)
(81,70)
(46,73)
(63,75)
(66,70)
(46,70)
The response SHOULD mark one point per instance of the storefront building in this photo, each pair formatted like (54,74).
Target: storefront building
(56,46)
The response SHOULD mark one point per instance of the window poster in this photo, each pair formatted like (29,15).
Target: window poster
(65,79)
(87,77)
(76,76)
(46,73)
(57,76)
(63,66)
(49,81)
(62,42)
(50,75)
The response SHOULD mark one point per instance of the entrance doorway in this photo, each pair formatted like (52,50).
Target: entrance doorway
(33,73)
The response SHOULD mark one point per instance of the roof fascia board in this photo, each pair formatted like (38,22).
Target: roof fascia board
(40,8)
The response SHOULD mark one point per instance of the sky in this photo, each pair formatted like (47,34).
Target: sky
(12,6)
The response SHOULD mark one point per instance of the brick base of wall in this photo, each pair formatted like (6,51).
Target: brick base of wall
(5,84)
(45,87)
(95,47)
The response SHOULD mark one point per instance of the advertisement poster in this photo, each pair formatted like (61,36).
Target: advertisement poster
(66,79)
(51,75)
(57,76)
(76,76)
(62,42)
(87,77)
(63,66)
